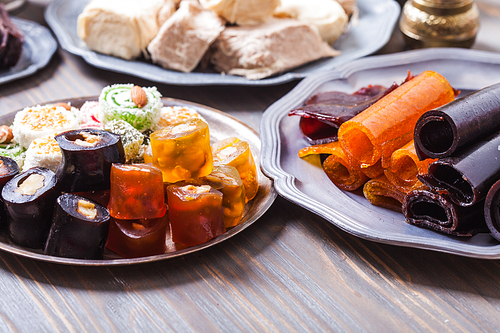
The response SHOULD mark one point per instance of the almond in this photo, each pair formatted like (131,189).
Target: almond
(139,96)
(5,134)
(64,105)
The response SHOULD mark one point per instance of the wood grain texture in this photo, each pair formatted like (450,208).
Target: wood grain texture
(291,271)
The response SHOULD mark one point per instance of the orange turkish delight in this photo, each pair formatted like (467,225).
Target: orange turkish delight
(195,213)
(237,153)
(182,151)
(226,179)
(136,192)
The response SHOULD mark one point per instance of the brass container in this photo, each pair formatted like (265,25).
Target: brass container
(439,23)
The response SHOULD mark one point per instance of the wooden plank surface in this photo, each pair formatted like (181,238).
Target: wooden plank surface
(291,271)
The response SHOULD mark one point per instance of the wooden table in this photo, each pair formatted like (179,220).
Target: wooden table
(291,271)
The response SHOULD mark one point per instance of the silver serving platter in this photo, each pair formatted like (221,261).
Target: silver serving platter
(39,47)
(304,182)
(221,126)
(377,19)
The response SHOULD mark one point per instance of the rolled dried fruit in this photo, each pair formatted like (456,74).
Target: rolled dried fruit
(235,152)
(388,124)
(434,210)
(87,158)
(324,112)
(343,171)
(469,175)
(79,228)
(404,167)
(182,151)
(381,192)
(440,132)
(29,198)
(195,213)
(492,210)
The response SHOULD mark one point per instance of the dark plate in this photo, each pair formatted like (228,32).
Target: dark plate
(308,186)
(39,47)
(221,126)
(376,22)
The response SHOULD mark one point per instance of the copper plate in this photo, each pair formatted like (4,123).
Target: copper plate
(221,126)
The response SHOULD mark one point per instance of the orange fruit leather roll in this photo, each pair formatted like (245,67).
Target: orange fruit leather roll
(388,124)
(381,192)
(343,171)
(405,166)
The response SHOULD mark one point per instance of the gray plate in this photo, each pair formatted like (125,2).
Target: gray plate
(39,47)
(308,186)
(221,126)
(376,22)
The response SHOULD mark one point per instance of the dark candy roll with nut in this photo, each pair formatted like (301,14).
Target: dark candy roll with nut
(87,156)
(79,228)
(29,199)
(8,169)
(492,210)
(432,210)
(468,176)
(440,132)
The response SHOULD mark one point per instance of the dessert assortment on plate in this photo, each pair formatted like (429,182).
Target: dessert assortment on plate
(251,38)
(413,148)
(124,172)
(11,40)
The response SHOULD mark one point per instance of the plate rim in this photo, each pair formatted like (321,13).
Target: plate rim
(284,182)
(48,48)
(390,10)
(269,199)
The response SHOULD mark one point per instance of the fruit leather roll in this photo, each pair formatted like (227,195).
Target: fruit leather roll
(469,175)
(492,210)
(87,158)
(343,171)
(79,228)
(381,192)
(29,199)
(433,210)
(440,132)
(388,124)
(404,166)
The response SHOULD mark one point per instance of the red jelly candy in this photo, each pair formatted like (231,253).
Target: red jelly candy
(136,192)
(195,213)
(138,238)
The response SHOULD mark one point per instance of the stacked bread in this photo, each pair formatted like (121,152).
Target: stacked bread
(252,38)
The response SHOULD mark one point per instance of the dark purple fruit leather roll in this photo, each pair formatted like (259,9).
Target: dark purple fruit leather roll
(440,132)
(469,175)
(433,210)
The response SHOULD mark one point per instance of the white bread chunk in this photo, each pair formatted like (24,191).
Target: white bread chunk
(121,28)
(242,12)
(185,37)
(272,47)
(327,15)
